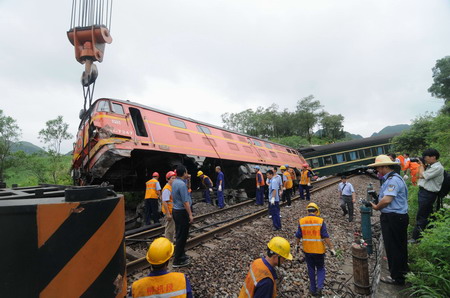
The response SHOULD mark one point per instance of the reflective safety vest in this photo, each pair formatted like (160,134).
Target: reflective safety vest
(311,239)
(258,271)
(207,178)
(288,184)
(259,174)
(304,178)
(402,161)
(170,202)
(414,169)
(150,192)
(172,284)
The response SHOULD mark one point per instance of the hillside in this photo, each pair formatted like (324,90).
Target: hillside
(391,129)
(26,147)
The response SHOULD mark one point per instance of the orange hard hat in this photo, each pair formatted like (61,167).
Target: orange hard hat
(155,174)
(305,165)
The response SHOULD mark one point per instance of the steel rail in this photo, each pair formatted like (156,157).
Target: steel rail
(142,263)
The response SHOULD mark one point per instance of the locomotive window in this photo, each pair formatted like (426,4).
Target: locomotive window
(117,108)
(328,160)
(315,162)
(340,158)
(227,135)
(268,146)
(177,123)
(103,106)
(182,136)
(368,152)
(209,142)
(273,154)
(353,155)
(361,153)
(203,129)
(233,146)
(257,143)
(242,139)
(380,150)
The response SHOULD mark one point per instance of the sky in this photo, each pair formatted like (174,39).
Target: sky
(369,61)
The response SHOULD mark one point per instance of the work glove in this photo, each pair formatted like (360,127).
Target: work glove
(309,184)
(272,201)
(220,188)
(333,252)
(258,187)
(284,188)
(210,190)
(405,177)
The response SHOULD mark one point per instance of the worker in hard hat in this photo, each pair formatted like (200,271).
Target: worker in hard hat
(207,184)
(167,206)
(287,185)
(260,185)
(152,195)
(293,177)
(160,282)
(305,182)
(313,232)
(260,280)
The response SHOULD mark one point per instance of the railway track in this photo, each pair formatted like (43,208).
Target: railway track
(141,263)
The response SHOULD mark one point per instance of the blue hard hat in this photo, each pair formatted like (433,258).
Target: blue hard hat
(257,167)
(287,166)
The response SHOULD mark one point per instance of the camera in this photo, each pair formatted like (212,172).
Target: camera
(417,159)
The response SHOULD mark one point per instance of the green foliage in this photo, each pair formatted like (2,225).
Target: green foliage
(441,79)
(132,199)
(413,205)
(291,141)
(332,127)
(9,133)
(416,139)
(430,260)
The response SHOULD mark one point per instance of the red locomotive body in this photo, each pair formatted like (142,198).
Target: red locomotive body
(123,143)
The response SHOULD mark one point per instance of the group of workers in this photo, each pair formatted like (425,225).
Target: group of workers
(260,280)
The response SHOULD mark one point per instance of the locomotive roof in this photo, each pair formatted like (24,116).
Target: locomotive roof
(336,147)
(191,120)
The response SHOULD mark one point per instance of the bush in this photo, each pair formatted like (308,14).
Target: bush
(430,259)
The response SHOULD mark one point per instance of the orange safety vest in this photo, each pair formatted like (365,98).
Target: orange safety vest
(258,271)
(150,192)
(172,284)
(414,168)
(311,239)
(304,178)
(288,183)
(262,179)
(170,202)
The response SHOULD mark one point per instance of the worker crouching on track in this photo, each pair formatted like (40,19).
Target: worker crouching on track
(207,184)
(167,206)
(313,232)
(275,185)
(260,280)
(160,282)
(152,194)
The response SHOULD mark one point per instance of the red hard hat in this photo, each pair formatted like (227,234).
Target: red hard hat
(155,174)
(305,165)
(170,174)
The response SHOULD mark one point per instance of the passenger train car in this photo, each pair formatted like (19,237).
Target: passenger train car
(346,157)
(123,143)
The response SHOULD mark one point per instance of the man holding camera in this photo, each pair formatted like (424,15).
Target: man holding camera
(430,182)
(393,204)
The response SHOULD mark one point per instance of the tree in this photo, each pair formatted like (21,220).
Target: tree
(306,116)
(332,127)
(416,139)
(9,133)
(53,135)
(441,77)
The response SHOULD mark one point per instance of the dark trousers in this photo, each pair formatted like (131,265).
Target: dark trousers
(303,188)
(151,210)
(260,195)
(220,199)
(274,210)
(207,196)
(394,229)
(181,218)
(287,196)
(315,262)
(426,201)
(347,206)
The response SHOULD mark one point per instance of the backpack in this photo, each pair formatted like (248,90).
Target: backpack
(445,189)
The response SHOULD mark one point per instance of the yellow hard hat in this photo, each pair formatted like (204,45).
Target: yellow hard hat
(280,246)
(283,168)
(382,160)
(313,206)
(199,173)
(160,251)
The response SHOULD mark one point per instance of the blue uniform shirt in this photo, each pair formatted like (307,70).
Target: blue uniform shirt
(396,187)
(346,188)
(264,288)
(220,176)
(180,194)
(275,184)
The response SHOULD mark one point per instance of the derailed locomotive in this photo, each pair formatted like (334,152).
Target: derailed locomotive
(122,143)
